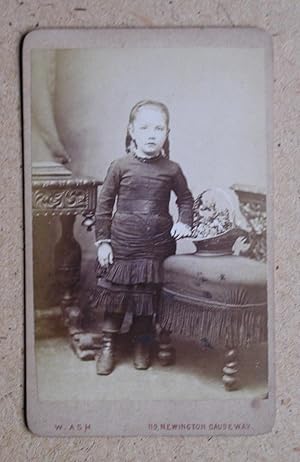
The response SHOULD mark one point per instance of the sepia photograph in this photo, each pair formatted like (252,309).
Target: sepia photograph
(148,231)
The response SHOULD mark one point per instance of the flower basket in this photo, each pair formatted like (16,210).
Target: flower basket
(214,226)
(221,244)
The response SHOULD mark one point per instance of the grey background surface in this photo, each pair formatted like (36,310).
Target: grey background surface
(281,19)
(216,100)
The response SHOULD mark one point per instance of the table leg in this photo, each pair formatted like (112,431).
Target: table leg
(166,352)
(67,264)
(230,370)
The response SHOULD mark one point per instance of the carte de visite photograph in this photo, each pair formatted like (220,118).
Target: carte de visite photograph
(148,231)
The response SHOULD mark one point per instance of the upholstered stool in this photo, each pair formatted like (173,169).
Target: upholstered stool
(222,299)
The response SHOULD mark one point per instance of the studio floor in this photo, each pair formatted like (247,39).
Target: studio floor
(196,375)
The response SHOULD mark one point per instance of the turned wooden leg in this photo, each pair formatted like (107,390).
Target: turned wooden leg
(67,263)
(230,370)
(166,352)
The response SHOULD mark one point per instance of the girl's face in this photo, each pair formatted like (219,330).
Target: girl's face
(149,130)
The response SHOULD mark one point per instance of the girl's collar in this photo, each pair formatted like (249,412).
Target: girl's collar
(146,159)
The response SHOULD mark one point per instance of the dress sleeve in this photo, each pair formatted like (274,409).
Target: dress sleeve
(106,201)
(185,199)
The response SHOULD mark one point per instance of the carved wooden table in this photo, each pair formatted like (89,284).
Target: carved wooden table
(66,198)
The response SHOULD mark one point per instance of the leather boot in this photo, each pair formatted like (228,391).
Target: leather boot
(142,332)
(142,352)
(105,360)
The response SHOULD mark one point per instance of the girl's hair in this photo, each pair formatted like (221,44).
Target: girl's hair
(129,142)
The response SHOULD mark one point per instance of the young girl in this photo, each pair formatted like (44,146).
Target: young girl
(134,241)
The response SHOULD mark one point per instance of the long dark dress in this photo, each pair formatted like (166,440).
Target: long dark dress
(139,230)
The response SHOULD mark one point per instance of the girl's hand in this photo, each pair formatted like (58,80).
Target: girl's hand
(105,254)
(180,230)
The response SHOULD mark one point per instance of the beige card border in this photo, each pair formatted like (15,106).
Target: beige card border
(114,418)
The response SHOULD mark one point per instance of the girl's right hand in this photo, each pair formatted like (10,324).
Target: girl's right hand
(105,254)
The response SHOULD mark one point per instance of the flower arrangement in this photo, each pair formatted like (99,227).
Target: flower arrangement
(216,223)
(209,220)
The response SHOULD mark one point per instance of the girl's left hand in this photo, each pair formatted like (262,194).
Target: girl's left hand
(180,230)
